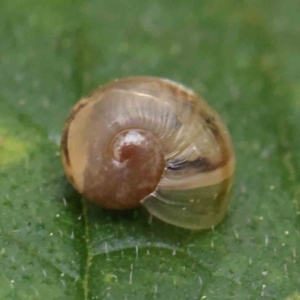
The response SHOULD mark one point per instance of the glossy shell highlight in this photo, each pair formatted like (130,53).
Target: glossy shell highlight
(150,141)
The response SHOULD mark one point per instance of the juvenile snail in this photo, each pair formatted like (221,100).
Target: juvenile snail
(150,141)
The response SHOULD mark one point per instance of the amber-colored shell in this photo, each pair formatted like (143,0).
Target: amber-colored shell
(150,141)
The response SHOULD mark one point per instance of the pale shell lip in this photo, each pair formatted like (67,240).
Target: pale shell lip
(200,180)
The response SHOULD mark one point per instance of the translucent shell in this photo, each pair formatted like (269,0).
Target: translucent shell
(150,141)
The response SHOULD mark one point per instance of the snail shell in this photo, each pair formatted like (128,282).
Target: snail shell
(150,141)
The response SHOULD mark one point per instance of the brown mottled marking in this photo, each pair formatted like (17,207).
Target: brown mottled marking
(93,92)
(80,105)
(201,179)
(64,144)
(202,164)
(211,123)
(71,178)
(64,140)
(177,91)
(67,167)
(77,145)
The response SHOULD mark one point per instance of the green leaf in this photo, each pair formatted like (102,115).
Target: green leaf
(241,56)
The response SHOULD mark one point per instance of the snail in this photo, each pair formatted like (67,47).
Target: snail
(152,142)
